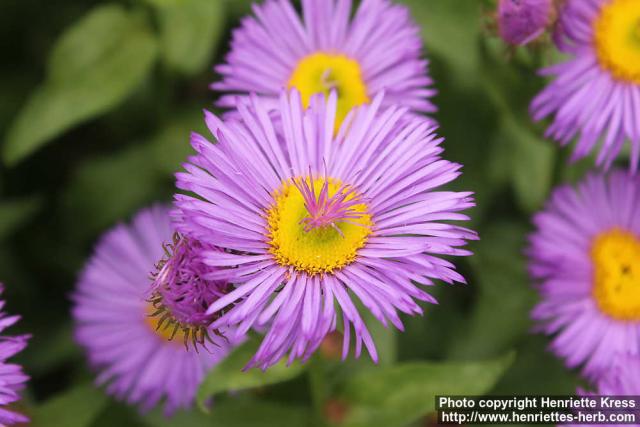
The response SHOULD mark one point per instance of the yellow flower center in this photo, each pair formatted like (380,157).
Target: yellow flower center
(321,72)
(616,261)
(163,328)
(318,250)
(617,39)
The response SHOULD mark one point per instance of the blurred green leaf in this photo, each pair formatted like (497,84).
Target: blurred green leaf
(93,67)
(52,350)
(537,371)
(229,376)
(190,32)
(575,172)
(532,162)
(237,412)
(397,395)
(77,407)
(118,414)
(451,30)
(171,146)
(15,213)
(504,292)
(107,189)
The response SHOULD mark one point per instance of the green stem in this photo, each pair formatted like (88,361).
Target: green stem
(318,390)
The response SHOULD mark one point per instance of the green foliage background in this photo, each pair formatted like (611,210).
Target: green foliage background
(98,99)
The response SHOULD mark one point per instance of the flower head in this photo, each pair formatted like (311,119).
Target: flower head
(522,21)
(308,219)
(181,293)
(596,93)
(327,49)
(140,352)
(12,378)
(586,255)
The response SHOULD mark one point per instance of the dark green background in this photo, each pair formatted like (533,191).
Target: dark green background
(97,102)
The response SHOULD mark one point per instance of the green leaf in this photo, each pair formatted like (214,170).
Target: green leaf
(451,30)
(398,395)
(171,146)
(229,376)
(536,370)
(75,408)
(532,162)
(93,67)
(15,213)
(107,189)
(502,281)
(237,412)
(119,414)
(190,32)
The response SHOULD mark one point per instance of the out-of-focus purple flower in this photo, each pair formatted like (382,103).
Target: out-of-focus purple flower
(595,96)
(522,21)
(622,379)
(12,378)
(327,48)
(308,219)
(142,357)
(585,254)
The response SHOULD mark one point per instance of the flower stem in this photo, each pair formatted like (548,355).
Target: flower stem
(318,390)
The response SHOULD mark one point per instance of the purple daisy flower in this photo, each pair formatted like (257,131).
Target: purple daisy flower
(522,21)
(135,337)
(622,379)
(586,255)
(596,93)
(308,219)
(12,378)
(377,48)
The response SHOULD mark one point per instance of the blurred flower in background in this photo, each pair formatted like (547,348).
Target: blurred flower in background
(522,21)
(138,359)
(307,219)
(585,255)
(12,378)
(595,95)
(379,48)
(622,379)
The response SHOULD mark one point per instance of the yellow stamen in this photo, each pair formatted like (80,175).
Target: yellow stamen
(616,261)
(321,72)
(320,250)
(617,39)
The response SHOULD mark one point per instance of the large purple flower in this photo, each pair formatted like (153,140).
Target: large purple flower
(308,219)
(135,333)
(522,21)
(585,254)
(596,92)
(377,48)
(12,378)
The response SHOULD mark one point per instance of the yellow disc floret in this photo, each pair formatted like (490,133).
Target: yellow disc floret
(160,325)
(616,263)
(617,39)
(318,250)
(321,72)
